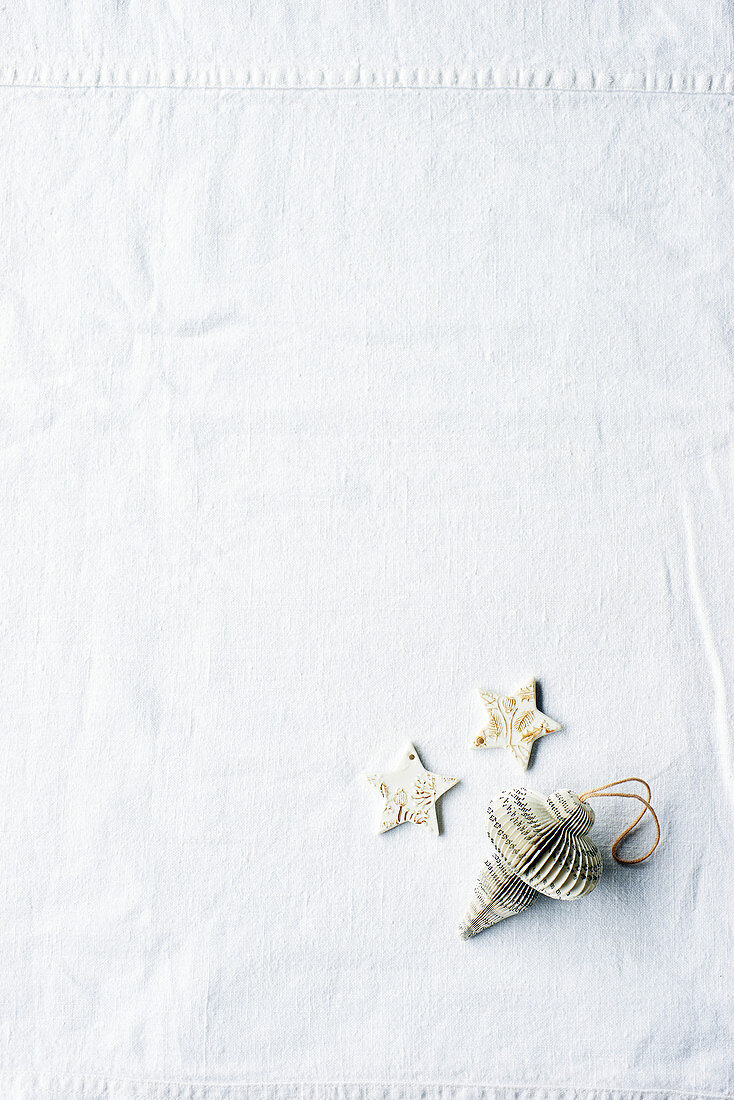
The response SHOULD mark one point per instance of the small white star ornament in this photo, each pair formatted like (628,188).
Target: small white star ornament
(410,793)
(514,723)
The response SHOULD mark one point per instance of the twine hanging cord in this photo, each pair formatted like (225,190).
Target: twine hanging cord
(604,792)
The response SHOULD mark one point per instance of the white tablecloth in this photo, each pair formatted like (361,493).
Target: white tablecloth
(355,357)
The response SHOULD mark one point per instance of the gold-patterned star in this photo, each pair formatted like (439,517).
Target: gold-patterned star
(514,723)
(409,793)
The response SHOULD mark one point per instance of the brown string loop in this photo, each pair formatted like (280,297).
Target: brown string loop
(603,792)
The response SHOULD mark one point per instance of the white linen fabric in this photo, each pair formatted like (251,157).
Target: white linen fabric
(354,358)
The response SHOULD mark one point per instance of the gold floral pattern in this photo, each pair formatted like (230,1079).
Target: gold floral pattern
(410,793)
(514,722)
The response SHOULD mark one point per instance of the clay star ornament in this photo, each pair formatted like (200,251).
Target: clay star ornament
(410,793)
(514,723)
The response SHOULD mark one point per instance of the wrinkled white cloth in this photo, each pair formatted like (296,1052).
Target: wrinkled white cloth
(355,357)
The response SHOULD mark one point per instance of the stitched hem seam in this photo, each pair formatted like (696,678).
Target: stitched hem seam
(28,1086)
(286,78)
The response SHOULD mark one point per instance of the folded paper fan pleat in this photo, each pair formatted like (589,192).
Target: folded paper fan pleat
(543,841)
(539,845)
(498,893)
